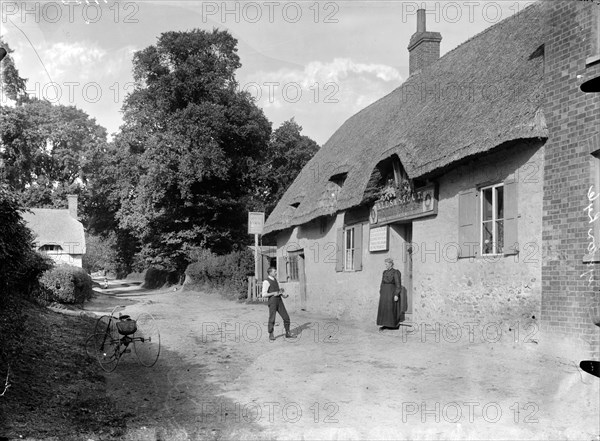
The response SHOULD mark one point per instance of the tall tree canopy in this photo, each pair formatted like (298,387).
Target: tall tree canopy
(43,148)
(193,156)
(12,85)
(194,144)
(288,151)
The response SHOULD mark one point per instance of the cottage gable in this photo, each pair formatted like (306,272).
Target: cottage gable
(57,233)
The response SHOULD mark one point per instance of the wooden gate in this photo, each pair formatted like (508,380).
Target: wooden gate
(255,290)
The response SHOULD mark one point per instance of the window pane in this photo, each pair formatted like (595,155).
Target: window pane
(349,259)
(293,272)
(500,202)
(500,231)
(487,238)
(487,204)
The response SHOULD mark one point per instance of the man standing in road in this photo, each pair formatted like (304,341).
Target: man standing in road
(271,290)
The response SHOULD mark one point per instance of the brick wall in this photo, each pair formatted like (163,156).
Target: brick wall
(425,53)
(573,118)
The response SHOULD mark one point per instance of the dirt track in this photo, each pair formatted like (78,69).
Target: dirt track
(218,377)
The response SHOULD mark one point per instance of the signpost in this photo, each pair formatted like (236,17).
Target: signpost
(256,222)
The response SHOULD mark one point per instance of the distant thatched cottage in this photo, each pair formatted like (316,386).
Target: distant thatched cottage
(58,233)
(473,175)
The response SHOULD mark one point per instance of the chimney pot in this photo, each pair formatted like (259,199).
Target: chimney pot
(72,200)
(424,46)
(421,22)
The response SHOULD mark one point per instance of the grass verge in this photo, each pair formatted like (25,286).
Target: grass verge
(56,391)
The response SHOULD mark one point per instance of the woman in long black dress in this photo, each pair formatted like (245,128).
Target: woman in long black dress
(389,314)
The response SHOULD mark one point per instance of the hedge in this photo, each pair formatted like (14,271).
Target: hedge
(229,272)
(20,268)
(157,278)
(20,265)
(66,284)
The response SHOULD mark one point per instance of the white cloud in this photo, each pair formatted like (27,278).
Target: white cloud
(334,71)
(325,93)
(338,81)
(342,68)
(79,59)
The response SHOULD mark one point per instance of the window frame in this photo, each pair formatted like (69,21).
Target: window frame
(357,247)
(349,231)
(293,274)
(594,57)
(51,249)
(494,219)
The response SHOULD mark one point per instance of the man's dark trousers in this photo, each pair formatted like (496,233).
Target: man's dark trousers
(276,305)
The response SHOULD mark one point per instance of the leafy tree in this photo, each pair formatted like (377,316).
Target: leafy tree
(43,148)
(192,144)
(20,265)
(20,269)
(105,168)
(11,85)
(100,253)
(289,151)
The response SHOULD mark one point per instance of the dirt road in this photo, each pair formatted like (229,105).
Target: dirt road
(218,377)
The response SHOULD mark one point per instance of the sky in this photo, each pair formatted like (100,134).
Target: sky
(317,62)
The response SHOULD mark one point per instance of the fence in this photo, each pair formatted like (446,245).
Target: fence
(255,290)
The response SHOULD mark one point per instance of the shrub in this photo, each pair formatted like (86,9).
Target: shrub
(156,278)
(20,268)
(18,260)
(29,275)
(229,271)
(66,284)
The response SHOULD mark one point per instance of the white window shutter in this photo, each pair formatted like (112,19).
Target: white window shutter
(282,269)
(339,251)
(468,223)
(358,247)
(511,213)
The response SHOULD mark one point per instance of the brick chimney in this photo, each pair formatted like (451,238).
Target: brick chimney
(424,47)
(72,198)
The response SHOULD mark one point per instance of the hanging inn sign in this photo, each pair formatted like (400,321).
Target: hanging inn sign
(398,205)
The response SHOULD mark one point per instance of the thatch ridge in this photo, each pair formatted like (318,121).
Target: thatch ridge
(484,93)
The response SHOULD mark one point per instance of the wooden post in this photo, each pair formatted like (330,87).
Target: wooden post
(256,222)
(256,256)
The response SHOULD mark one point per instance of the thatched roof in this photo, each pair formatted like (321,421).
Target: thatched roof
(56,227)
(486,92)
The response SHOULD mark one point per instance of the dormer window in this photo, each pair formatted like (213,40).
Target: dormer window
(295,205)
(50,248)
(335,184)
(339,179)
(396,184)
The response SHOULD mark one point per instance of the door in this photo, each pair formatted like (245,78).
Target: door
(302,280)
(407,279)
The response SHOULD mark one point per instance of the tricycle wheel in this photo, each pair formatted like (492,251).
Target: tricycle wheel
(146,340)
(107,350)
